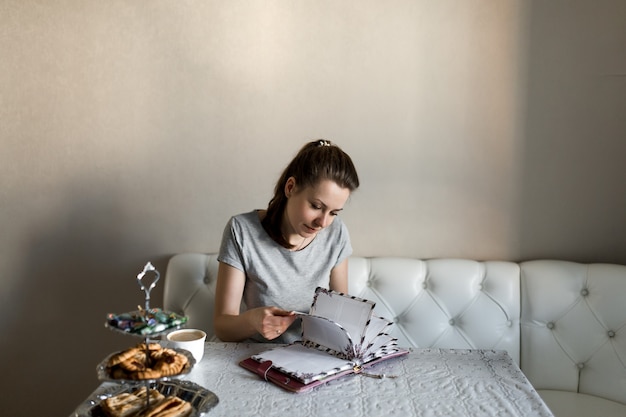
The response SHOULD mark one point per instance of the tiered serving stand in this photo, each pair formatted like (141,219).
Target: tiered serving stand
(201,399)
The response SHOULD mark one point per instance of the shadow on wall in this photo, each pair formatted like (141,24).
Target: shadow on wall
(80,264)
(573,190)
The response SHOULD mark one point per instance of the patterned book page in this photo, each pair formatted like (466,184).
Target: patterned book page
(327,333)
(304,364)
(351,313)
(376,337)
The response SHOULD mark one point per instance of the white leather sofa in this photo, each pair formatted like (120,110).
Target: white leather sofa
(564,323)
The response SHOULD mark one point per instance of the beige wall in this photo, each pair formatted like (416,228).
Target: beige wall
(131,130)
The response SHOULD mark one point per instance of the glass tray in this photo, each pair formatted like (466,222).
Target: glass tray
(103,373)
(201,399)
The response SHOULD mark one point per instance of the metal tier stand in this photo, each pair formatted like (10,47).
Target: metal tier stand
(150,323)
(147,289)
(148,268)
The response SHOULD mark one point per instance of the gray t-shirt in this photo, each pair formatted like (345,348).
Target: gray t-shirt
(276,276)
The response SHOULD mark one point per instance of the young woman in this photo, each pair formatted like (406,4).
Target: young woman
(272,260)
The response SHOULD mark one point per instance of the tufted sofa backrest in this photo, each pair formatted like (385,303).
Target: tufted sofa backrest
(189,289)
(447,303)
(573,327)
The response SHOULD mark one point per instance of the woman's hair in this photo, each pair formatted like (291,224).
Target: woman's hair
(318,160)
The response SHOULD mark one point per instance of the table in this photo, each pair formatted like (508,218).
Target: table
(429,382)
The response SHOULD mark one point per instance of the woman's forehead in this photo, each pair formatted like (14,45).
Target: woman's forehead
(329,193)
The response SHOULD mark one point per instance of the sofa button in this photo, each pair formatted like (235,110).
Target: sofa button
(451,322)
(584,292)
(580,365)
(480,287)
(509,323)
(424,285)
(206,280)
(611,333)
(550,325)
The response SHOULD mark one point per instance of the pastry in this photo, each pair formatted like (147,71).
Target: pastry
(130,404)
(151,362)
(169,407)
(138,352)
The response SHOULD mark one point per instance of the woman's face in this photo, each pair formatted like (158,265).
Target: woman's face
(311,209)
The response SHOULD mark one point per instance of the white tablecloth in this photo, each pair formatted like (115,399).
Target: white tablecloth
(429,382)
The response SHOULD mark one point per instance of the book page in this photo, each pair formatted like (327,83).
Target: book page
(381,345)
(376,328)
(304,364)
(351,313)
(327,333)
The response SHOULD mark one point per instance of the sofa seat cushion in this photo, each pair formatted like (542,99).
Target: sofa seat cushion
(572,404)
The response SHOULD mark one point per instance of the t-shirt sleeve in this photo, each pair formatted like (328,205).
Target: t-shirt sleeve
(230,249)
(345,245)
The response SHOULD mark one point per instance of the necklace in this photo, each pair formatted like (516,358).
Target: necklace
(303,244)
(300,246)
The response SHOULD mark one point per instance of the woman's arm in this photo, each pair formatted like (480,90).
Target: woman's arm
(230,326)
(339,277)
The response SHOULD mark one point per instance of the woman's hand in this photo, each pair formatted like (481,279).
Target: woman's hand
(270,322)
(230,325)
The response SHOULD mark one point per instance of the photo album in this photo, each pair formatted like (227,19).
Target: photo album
(340,336)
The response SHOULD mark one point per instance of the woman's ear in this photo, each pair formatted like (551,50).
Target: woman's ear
(290,186)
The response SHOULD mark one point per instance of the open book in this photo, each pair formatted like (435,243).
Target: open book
(340,335)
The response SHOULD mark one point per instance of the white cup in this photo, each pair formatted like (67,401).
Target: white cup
(188,339)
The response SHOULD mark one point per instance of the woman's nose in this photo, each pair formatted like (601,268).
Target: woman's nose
(322,221)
